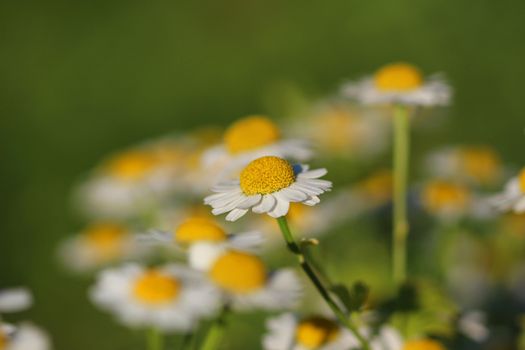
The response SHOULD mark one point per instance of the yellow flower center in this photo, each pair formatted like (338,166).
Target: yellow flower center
(398,77)
(439,195)
(378,186)
(480,163)
(3,340)
(522,180)
(132,165)
(156,288)
(239,272)
(266,175)
(423,344)
(106,238)
(316,331)
(250,133)
(199,229)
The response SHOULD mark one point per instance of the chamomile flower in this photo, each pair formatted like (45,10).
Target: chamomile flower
(513,196)
(202,238)
(445,199)
(23,337)
(245,281)
(399,83)
(477,165)
(338,130)
(15,300)
(98,245)
(288,332)
(131,182)
(245,140)
(268,185)
(171,298)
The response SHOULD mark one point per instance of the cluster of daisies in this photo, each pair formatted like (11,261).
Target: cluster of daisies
(163,259)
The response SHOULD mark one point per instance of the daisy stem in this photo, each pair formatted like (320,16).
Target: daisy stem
(323,291)
(214,336)
(400,220)
(155,340)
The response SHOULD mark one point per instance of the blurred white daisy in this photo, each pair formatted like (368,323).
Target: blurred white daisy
(245,140)
(99,245)
(473,324)
(171,298)
(131,182)
(288,332)
(23,337)
(399,83)
(445,199)
(268,185)
(513,196)
(15,300)
(385,338)
(245,280)
(478,165)
(338,130)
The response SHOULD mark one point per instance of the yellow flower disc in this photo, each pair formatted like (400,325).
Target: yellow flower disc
(156,288)
(316,331)
(439,195)
(266,175)
(522,180)
(199,229)
(423,344)
(239,272)
(398,77)
(132,165)
(106,238)
(250,133)
(3,340)
(378,186)
(481,163)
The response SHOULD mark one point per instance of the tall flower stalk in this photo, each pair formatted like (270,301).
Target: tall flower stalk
(400,216)
(155,339)
(294,248)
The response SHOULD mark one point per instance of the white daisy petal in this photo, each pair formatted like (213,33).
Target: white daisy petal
(236,214)
(250,202)
(281,207)
(313,200)
(313,174)
(15,299)
(268,202)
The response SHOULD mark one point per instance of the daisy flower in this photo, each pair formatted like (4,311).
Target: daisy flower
(423,344)
(268,185)
(131,182)
(399,83)
(15,300)
(478,165)
(170,298)
(245,280)
(98,245)
(288,332)
(202,238)
(338,130)
(247,139)
(445,199)
(23,337)
(513,196)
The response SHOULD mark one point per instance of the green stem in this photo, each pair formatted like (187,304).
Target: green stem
(400,224)
(155,339)
(215,333)
(307,268)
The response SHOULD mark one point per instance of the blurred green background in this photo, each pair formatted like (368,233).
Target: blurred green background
(79,79)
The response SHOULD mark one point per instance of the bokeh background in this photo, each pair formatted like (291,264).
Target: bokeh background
(80,79)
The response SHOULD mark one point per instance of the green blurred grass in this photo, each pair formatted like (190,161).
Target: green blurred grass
(79,79)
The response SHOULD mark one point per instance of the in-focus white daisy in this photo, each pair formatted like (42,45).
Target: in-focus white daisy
(399,83)
(171,298)
(202,238)
(288,332)
(338,130)
(245,281)
(477,165)
(513,196)
(15,300)
(245,140)
(23,337)
(268,185)
(131,182)
(99,245)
